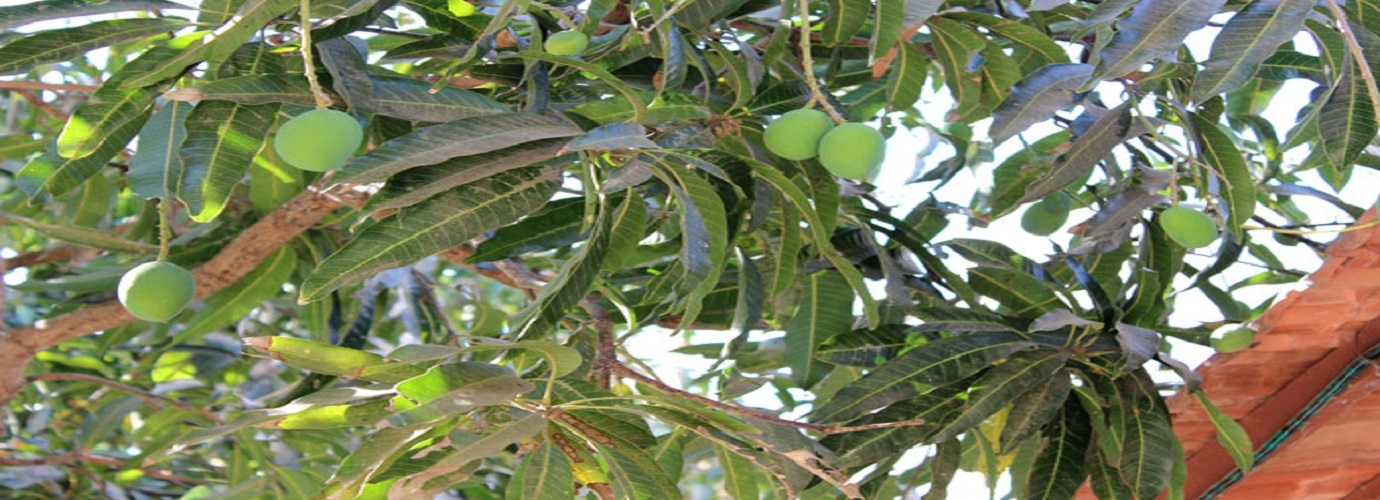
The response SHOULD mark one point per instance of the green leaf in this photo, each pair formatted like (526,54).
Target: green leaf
(250,18)
(58,45)
(1036,97)
(476,394)
(1059,468)
(864,347)
(1154,28)
(845,18)
(1001,386)
(1034,410)
(639,107)
(250,89)
(574,279)
(886,28)
(1024,295)
(1248,39)
(704,226)
(15,16)
(222,139)
(51,175)
(94,238)
(562,359)
(964,320)
(634,473)
(464,137)
(918,370)
(735,73)
(1033,49)
(413,185)
(332,417)
(1232,436)
(1085,152)
(558,224)
(741,476)
(544,474)
(155,171)
(907,77)
(1146,462)
(234,302)
(826,310)
(957,49)
(413,99)
(1218,150)
(441,222)
(468,447)
(18,146)
(613,136)
(1347,120)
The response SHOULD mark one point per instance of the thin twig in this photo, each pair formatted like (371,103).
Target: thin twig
(458,255)
(606,354)
(308,69)
(148,398)
(756,414)
(807,63)
(67,459)
(39,103)
(404,34)
(56,87)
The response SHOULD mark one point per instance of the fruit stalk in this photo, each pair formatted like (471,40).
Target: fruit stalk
(807,63)
(304,14)
(164,231)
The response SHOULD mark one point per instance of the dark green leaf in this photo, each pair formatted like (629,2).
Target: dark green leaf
(575,277)
(1037,97)
(413,99)
(1085,152)
(613,136)
(15,16)
(464,137)
(1154,28)
(1347,120)
(1059,467)
(1034,409)
(1219,151)
(155,171)
(917,371)
(1248,39)
(236,301)
(863,347)
(907,77)
(58,45)
(250,18)
(826,310)
(1001,386)
(845,18)
(250,89)
(222,139)
(411,186)
(441,222)
(1021,293)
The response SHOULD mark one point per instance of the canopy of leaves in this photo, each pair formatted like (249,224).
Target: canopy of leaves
(457,309)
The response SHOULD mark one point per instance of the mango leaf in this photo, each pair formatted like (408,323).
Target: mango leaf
(64,44)
(1154,28)
(1145,463)
(845,19)
(1035,409)
(412,99)
(957,49)
(1085,152)
(704,245)
(18,146)
(544,474)
(1248,39)
(477,394)
(1033,49)
(413,185)
(1024,295)
(1036,97)
(1059,467)
(234,302)
(964,320)
(1238,188)
(886,28)
(15,16)
(251,17)
(446,467)
(51,175)
(155,171)
(222,139)
(441,222)
(741,476)
(907,77)
(1232,436)
(464,137)
(349,73)
(93,238)
(614,136)
(250,89)
(918,370)
(633,472)
(864,347)
(1001,386)
(826,310)
(572,283)
(557,224)
(696,14)
(639,107)
(1347,120)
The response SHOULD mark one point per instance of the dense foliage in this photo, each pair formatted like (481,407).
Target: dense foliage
(452,309)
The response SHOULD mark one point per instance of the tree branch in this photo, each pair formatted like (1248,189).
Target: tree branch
(56,87)
(148,398)
(237,259)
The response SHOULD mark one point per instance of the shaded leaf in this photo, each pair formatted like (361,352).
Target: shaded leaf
(1059,467)
(1248,39)
(251,17)
(1034,410)
(413,185)
(236,301)
(1347,120)
(1000,386)
(1024,295)
(1154,28)
(155,171)
(94,238)
(1085,152)
(826,310)
(250,89)
(14,16)
(845,18)
(64,44)
(1036,97)
(611,137)
(441,222)
(544,474)
(1238,185)
(437,143)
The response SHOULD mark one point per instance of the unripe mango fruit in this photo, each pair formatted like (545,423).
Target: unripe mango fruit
(567,43)
(852,151)
(1048,215)
(318,140)
(1188,227)
(156,291)
(796,135)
